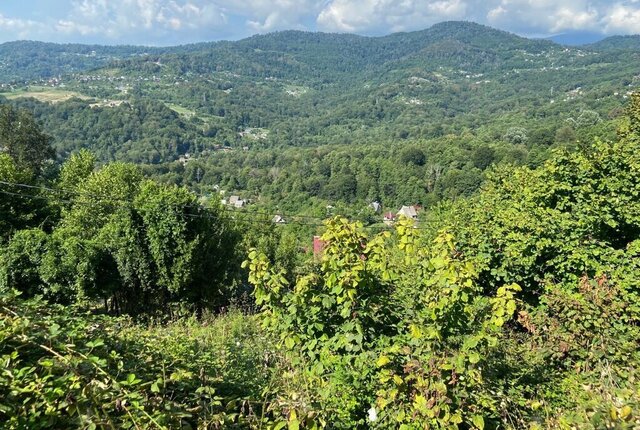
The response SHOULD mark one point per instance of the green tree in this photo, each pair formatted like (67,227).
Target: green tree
(483,157)
(410,307)
(17,205)
(516,136)
(565,134)
(21,260)
(22,138)
(413,155)
(75,170)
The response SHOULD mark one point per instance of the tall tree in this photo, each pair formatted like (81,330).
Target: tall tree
(22,138)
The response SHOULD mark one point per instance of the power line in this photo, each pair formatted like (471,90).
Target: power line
(105,197)
(242,216)
(195,216)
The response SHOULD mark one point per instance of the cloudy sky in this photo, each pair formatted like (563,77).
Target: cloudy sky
(172,22)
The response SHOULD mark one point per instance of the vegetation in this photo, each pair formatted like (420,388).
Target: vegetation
(129,301)
(62,368)
(245,116)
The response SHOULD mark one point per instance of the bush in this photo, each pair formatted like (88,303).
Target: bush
(62,368)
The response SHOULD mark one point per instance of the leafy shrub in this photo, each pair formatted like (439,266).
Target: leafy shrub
(415,311)
(62,368)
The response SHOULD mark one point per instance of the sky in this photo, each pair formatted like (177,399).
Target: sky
(174,22)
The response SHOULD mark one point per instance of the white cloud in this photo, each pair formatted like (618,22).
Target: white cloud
(567,19)
(178,21)
(543,15)
(623,19)
(19,28)
(497,14)
(269,15)
(388,15)
(120,20)
(549,16)
(521,16)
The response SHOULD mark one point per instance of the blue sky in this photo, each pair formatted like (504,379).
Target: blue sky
(172,22)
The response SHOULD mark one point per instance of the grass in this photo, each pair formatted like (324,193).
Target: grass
(74,369)
(188,113)
(180,110)
(44,94)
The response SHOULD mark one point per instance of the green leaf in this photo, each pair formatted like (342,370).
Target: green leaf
(478,421)
(294,424)
(289,343)
(383,361)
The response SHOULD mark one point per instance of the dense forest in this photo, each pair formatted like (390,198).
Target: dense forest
(238,116)
(188,235)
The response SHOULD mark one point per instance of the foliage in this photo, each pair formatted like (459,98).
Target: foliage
(65,369)
(25,156)
(202,115)
(16,210)
(23,140)
(416,312)
(516,136)
(75,170)
(515,304)
(570,217)
(394,331)
(135,245)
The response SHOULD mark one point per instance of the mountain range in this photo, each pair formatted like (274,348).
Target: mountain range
(295,88)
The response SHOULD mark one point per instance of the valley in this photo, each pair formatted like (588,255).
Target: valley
(435,229)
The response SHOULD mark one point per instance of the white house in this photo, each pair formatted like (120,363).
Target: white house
(408,212)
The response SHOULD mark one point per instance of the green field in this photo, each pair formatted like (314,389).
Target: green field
(43,94)
(180,110)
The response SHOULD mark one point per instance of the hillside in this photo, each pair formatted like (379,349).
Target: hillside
(624,43)
(27,60)
(124,302)
(429,230)
(208,104)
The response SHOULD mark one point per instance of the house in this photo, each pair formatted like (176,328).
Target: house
(408,212)
(278,220)
(388,218)
(318,247)
(236,202)
(376,206)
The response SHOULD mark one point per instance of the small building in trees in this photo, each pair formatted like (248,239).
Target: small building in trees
(278,220)
(318,247)
(389,218)
(236,202)
(408,212)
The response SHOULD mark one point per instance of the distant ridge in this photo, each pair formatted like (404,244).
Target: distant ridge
(296,54)
(577,38)
(618,43)
(296,88)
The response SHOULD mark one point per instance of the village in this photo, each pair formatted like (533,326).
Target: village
(388,218)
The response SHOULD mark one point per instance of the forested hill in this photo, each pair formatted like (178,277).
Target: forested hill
(302,55)
(290,53)
(437,229)
(617,43)
(453,90)
(27,60)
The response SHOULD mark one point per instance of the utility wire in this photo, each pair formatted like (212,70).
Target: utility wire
(106,197)
(237,215)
